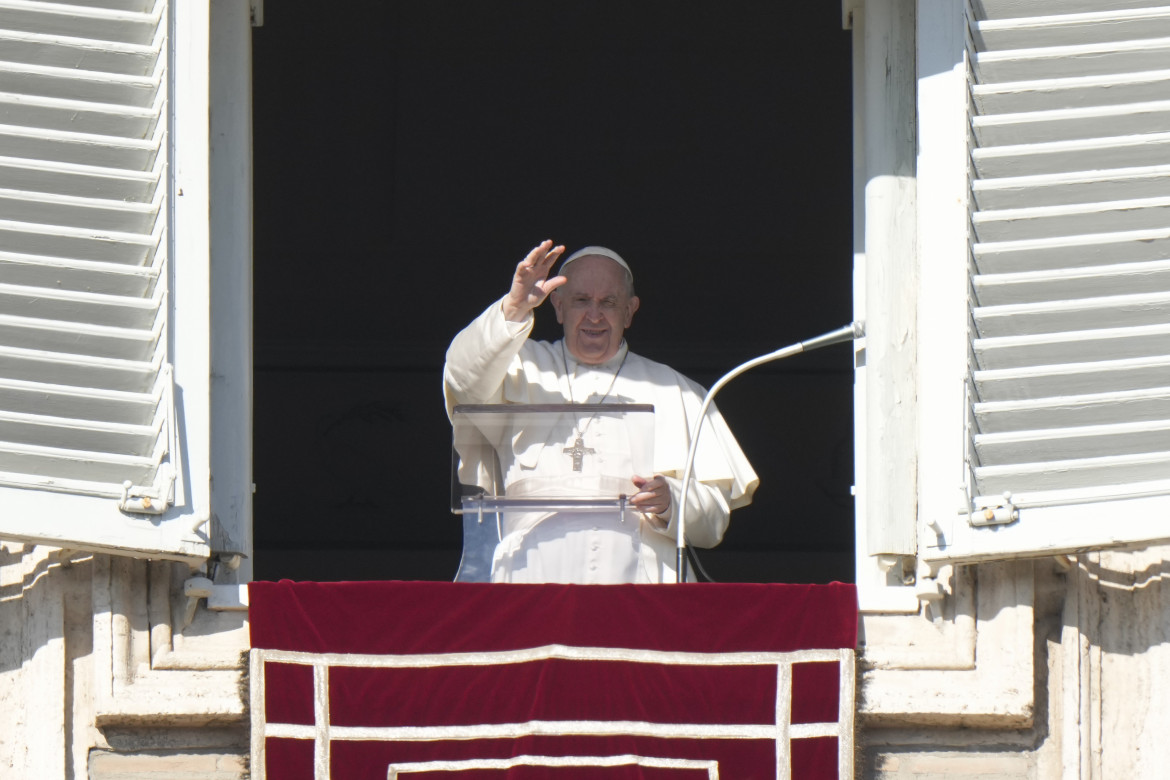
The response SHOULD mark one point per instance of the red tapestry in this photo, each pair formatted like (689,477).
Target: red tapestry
(471,681)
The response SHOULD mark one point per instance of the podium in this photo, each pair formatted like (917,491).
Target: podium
(529,480)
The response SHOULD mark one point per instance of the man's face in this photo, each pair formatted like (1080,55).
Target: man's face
(595,307)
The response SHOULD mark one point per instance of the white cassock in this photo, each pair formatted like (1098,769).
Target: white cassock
(493,361)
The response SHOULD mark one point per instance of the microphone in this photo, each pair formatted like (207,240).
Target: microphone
(853,330)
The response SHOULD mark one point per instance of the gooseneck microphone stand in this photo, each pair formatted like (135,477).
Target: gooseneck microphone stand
(851,331)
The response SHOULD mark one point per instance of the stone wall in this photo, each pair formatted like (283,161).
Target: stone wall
(104,765)
(1102,625)
(107,673)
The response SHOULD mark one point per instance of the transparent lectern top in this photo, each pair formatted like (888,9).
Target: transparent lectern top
(522,471)
(525,454)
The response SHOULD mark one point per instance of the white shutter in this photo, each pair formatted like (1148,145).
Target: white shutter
(1069,383)
(87,408)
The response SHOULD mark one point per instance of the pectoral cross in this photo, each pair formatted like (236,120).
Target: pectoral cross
(578,451)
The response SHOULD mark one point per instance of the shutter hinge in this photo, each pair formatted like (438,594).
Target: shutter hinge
(995,514)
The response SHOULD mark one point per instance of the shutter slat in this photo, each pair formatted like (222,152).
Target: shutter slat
(1054,189)
(67,52)
(79,338)
(1073,123)
(72,212)
(1060,380)
(1046,94)
(79,85)
(1080,442)
(80,275)
(1072,479)
(1073,347)
(74,434)
(1063,61)
(85,403)
(1014,9)
(78,243)
(27,464)
(1078,251)
(82,181)
(1022,224)
(1091,154)
(1072,283)
(82,117)
(1120,312)
(1071,29)
(67,306)
(96,24)
(1068,411)
(29,365)
(137,6)
(83,148)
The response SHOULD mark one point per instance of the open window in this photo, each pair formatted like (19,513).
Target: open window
(104,278)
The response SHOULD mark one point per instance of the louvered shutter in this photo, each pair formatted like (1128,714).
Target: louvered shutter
(1068,393)
(88,424)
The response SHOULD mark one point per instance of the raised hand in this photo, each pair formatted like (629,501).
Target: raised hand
(531,285)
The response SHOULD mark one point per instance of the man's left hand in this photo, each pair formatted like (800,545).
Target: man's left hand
(653,497)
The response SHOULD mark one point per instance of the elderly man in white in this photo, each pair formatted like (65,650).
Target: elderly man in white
(493,361)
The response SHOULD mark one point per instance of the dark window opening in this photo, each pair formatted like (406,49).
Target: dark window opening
(408,154)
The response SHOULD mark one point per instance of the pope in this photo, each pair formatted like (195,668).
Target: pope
(493,361)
